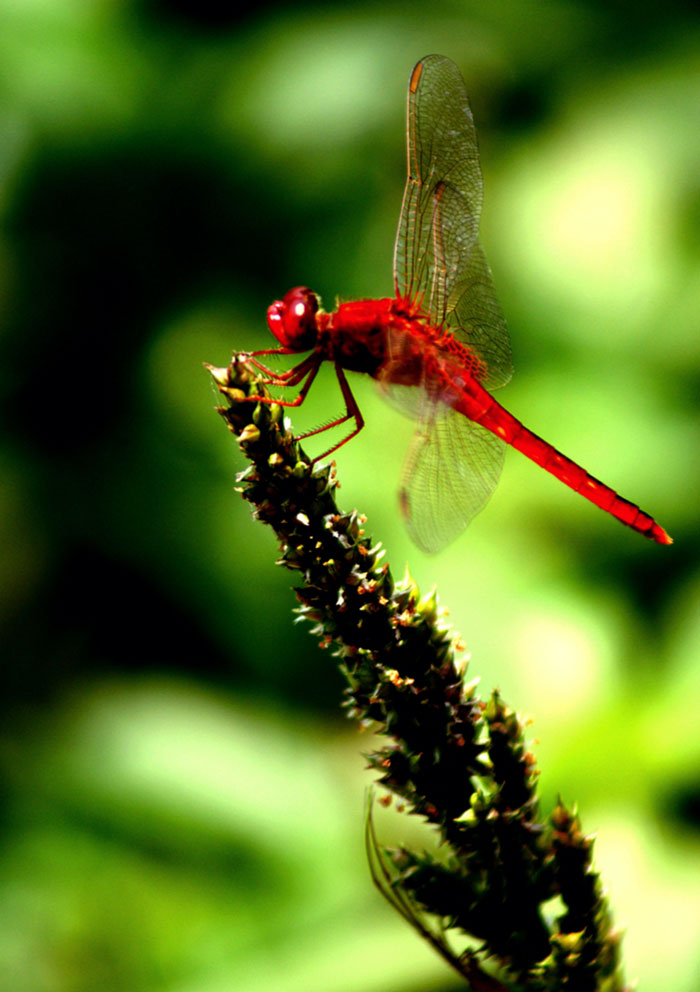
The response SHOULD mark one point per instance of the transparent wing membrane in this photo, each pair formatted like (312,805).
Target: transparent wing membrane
(437,255)
(451,470)
(442,199)
(476,318)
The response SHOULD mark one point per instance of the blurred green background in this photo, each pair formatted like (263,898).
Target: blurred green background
(181,795)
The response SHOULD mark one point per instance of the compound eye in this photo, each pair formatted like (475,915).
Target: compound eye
(275,321)
(293,319)
(300,307)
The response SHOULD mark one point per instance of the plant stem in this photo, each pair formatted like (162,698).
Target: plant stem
(518,889)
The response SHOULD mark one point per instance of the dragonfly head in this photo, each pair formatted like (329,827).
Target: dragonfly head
(293,319)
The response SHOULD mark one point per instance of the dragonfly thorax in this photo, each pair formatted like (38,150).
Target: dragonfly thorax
(293,319)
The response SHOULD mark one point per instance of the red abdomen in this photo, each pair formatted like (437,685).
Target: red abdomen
(475,403)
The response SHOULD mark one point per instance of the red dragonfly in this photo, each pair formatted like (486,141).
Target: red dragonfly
(439,346)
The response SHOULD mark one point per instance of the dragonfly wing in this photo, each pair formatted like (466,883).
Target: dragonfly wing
(411,402)
(437,256)
(439,218)
(450,473)
(409,378)
(478,320)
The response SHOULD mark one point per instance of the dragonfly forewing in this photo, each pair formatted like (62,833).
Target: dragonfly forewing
(439,218)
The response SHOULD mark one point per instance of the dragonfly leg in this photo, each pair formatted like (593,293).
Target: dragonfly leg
(290,377)
(352,412)
(309,368)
